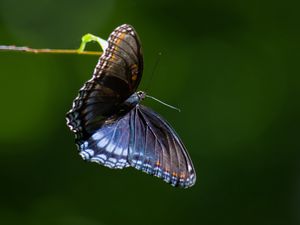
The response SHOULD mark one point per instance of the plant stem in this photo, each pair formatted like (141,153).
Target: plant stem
(51,51)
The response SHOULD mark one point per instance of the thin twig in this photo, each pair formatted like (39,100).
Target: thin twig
(52,51)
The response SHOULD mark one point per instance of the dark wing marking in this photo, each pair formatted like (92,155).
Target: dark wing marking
(115,78)
(108,146)
(156,149)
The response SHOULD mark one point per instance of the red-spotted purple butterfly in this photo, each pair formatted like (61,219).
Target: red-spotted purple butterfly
(113,129)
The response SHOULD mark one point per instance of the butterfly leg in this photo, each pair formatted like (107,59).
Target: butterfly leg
(89,38)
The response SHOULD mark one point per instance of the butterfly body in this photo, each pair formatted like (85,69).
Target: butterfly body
(113,129)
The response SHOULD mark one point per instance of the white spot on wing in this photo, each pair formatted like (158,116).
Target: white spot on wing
(122,161)
(84,145)
(102,156)
(89,151)
(97,136)
(118,151)
(125,152)
(103,143)
(113,160)
(189,168)
(111,146)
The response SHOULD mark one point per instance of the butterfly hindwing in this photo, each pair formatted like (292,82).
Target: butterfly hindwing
(144,140)
(108,145)
(155,148)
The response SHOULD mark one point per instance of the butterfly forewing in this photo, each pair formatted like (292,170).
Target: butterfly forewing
(115,78)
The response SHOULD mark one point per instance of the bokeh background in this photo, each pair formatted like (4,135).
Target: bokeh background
(231,66)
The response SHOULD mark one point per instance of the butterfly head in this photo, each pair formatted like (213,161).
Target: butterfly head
(141,95)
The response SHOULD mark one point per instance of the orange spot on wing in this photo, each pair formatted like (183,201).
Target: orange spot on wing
(117,43)
(134,76)
(134,72)
(182,176)
(120,38)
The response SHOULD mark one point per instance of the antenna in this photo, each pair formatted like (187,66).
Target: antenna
(170,106)
(153,70)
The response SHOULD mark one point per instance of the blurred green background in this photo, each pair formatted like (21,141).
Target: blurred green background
(231,66)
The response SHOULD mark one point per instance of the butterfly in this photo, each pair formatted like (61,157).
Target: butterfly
(113,129)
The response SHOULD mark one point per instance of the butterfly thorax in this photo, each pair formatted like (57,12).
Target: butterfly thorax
(130,103)
(135,98)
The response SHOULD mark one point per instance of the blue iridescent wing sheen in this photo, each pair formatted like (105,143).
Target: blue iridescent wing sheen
(156,149)
(144,140)
(115,78)
(109,144)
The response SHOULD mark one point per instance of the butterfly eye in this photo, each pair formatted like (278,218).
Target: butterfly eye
(141,95)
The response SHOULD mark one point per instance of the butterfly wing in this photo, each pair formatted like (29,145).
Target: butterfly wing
(144,140)
(109,144)
(156,149)
(115,78)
